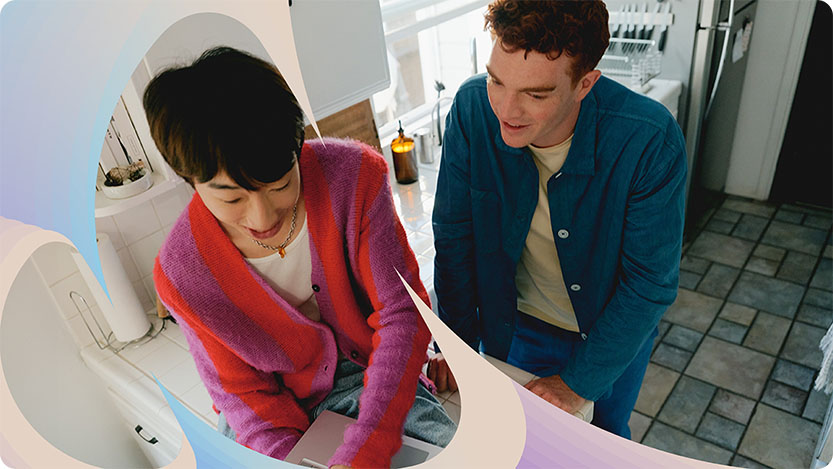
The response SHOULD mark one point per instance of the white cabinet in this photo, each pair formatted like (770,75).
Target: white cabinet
(159,442)
(341,51)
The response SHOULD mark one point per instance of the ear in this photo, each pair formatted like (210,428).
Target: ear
(585,84)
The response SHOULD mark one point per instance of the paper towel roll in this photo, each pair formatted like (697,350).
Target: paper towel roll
(125,315)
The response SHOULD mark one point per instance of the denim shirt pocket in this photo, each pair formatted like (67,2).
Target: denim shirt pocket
(486,221)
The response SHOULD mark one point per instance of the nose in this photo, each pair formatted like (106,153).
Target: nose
(509,108)
(260,213)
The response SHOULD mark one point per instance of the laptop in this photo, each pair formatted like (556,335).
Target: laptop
(326,434)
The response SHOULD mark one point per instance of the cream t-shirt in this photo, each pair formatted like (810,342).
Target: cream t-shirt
(539,281)
(290,276)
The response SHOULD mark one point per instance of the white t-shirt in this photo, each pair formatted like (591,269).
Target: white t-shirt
(290,276)
(539,281)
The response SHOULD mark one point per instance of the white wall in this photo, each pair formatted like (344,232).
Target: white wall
(59,396)
(775,55)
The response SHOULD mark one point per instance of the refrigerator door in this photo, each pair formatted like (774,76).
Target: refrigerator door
(718,130)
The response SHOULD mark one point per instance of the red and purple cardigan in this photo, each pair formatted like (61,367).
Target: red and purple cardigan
(264,363)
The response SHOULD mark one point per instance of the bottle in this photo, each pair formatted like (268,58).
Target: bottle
(404,160)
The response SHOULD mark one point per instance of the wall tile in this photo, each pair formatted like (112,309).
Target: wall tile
(137,223)
(54,262)
(108,225)
(145,250)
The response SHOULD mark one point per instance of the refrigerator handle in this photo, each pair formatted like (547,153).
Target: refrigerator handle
(727,31)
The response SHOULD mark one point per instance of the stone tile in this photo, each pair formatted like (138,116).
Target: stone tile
(793,374)
(732,406)
(671,440)
(767,333)
(731,367)
(689,280)
(718,280)
(779,439)
(768,294)
(784,397)
(795,237)
(687,404)
(814,315)
(805,209)
(769,252)
(721,248)
(824,275)
(638,424)
(694,264)
(750,227)
(755,208)
(738,313)
(816,407)
(719,226)
(820,298)
(730,216)
(817,221)
(789,216)
(803,345)
(720,431)
(828,252)
(797,267)
(656,386)
(683,338)
(728,331)
(671,357)
(663,328)
(693,310)
(740,461)
(762,266)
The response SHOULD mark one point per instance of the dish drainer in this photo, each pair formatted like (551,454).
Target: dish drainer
(634,61)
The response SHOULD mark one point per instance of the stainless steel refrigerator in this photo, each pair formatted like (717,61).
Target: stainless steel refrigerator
(692,53)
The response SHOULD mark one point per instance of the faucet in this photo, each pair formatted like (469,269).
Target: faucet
(436,122)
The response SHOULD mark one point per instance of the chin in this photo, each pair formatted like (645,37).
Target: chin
(515,141)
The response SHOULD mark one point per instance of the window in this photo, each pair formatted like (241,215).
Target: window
(428,41)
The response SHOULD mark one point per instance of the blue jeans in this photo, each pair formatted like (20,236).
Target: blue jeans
(427,420)
(543,349)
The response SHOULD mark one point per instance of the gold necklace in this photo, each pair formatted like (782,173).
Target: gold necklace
(282,247)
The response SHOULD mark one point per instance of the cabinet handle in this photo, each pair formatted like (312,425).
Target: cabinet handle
(152,439)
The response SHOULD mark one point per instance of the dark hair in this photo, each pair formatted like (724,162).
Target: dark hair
(228,111)
(575,27)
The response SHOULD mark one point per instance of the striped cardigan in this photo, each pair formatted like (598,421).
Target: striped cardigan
(263,362)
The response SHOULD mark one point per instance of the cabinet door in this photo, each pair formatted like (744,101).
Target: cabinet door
(341,51)
(161,445)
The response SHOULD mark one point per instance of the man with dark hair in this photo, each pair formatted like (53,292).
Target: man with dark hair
(282,271)
(559,212)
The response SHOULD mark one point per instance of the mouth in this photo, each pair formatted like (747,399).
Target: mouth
(512,127)
(265,234)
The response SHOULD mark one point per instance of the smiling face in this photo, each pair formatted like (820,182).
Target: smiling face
(263,214)
(534,97)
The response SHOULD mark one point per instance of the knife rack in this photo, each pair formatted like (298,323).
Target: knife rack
(634,60)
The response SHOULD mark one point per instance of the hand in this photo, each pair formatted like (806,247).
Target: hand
(440,374)
(555,391)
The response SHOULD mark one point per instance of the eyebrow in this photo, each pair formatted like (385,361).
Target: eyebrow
(536,89)
(215,185)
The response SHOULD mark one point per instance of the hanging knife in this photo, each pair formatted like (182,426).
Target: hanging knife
(616,26)
(649,33)
(630,31)
(663,33)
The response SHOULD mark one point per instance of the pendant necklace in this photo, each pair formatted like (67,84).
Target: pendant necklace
(282,247)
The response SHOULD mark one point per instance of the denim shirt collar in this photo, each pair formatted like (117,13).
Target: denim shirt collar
(581,159)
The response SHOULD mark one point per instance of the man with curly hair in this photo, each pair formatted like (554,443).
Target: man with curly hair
(558,217)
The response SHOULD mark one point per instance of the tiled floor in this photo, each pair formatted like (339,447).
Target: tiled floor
(731,376)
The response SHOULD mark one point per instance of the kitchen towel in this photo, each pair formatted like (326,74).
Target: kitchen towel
(124,311)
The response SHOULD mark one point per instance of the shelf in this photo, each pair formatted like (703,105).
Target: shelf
(105,207)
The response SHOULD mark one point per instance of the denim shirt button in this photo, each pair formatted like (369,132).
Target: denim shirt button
(506,324)
(583,336)
(563,234)
(354,354)
(575,287)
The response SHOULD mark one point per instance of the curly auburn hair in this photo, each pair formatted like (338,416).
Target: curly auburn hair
(575,27)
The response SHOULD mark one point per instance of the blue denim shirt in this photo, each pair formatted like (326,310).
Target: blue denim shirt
(617,217)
